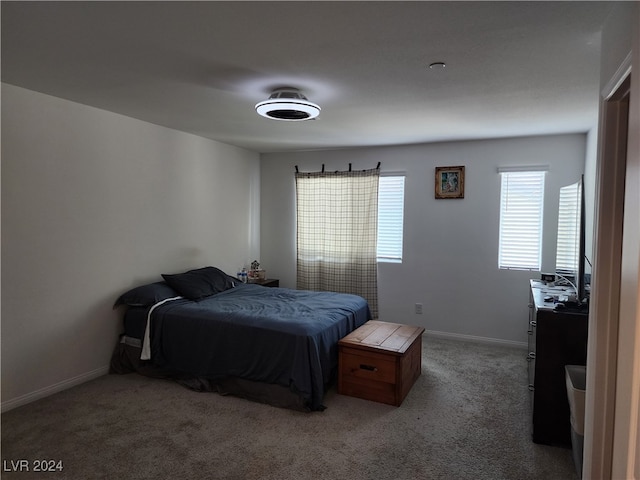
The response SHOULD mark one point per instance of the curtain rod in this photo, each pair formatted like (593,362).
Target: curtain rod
(377,168)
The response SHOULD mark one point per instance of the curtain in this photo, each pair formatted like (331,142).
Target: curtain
(337,226)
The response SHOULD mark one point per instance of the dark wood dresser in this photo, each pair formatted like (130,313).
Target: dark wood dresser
(556,338)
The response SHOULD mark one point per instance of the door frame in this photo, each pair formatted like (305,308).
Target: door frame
(604,315)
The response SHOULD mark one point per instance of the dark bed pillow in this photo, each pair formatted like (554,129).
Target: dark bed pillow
(146,295)
(199,283)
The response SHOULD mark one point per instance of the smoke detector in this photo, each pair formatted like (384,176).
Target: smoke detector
(288,104)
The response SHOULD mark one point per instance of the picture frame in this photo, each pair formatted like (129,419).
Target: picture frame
(449,182)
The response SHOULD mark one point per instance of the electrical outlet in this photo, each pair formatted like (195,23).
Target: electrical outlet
(418,308)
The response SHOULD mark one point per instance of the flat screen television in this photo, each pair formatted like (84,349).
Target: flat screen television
(570,246)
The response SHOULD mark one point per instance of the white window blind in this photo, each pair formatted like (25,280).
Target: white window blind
(390,218)
(521,207)
(568,245)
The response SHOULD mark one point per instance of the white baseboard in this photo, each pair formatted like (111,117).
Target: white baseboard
(50,390)
(473,338)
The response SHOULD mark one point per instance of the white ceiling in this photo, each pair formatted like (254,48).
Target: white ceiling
(513,68)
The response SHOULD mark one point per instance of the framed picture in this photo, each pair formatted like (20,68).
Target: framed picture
(450,182)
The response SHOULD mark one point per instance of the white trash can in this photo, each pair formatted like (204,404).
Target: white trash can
(576,378)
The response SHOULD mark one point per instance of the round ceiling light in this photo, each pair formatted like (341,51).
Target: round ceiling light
(288,104)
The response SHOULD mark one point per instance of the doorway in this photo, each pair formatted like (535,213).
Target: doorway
(604,313)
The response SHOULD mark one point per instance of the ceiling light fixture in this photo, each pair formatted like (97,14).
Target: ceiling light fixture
(437,66)
(288,104)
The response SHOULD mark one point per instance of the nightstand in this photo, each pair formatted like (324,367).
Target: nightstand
(267,282)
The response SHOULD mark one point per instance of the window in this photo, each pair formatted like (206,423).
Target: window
(521,206)
(390,218)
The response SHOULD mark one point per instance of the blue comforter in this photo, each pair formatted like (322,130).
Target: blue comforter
(272,335)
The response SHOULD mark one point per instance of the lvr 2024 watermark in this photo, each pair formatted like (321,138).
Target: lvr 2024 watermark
(23,465)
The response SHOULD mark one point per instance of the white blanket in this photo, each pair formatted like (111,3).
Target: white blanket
(146,343)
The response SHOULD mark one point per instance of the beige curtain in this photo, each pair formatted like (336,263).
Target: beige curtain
(337,215)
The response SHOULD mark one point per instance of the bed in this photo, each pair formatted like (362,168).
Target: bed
(210,332)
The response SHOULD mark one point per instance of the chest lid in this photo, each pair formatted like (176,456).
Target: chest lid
(376,335)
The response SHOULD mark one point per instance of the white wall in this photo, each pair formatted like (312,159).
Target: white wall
(94,203)
(450,246)
(590,169)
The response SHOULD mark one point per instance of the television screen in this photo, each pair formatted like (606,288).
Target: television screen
(570,245)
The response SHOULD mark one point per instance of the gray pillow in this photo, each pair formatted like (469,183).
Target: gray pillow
(199,283)
(146,295)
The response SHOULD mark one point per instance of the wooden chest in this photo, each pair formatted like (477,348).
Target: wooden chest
(380,361)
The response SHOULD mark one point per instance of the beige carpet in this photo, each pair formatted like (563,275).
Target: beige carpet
(467,417)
